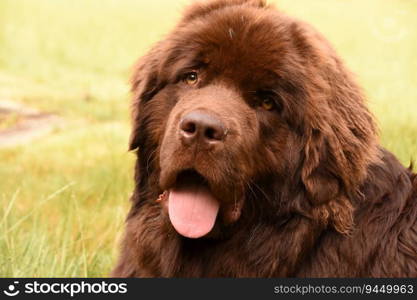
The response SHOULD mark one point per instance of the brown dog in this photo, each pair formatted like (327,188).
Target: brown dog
(258,157)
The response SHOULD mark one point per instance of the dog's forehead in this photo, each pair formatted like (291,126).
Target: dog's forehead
(240,40)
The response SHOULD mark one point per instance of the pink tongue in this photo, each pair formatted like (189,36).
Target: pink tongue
(192,210)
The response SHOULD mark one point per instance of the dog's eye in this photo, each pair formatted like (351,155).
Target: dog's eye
(268,103)
(191,78)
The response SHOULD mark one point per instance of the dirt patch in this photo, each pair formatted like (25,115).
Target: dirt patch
(20,124)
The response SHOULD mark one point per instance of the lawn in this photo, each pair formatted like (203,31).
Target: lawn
(64,197)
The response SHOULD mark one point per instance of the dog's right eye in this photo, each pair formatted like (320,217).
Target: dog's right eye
(191,78)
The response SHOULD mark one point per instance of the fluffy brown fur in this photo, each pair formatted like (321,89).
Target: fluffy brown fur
(305,188)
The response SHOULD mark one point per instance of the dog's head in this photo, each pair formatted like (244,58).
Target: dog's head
(242,106)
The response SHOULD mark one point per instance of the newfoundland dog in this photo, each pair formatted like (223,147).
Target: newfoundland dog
(257,157)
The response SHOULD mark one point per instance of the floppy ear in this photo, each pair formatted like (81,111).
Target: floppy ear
(145,84)
(340,144)
(327,182)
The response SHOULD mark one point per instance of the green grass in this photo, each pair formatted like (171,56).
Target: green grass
(64,197)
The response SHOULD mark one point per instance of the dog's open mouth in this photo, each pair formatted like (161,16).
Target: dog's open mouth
(192,207)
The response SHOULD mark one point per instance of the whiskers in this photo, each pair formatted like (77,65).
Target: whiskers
(252,183)
(259,194)
(150,160)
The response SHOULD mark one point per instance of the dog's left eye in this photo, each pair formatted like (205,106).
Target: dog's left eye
(268,103)
(191,78)
(267,100)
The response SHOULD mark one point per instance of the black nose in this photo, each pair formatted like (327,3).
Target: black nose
(201,127)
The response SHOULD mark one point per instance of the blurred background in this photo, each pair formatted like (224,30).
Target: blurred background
(65,172)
